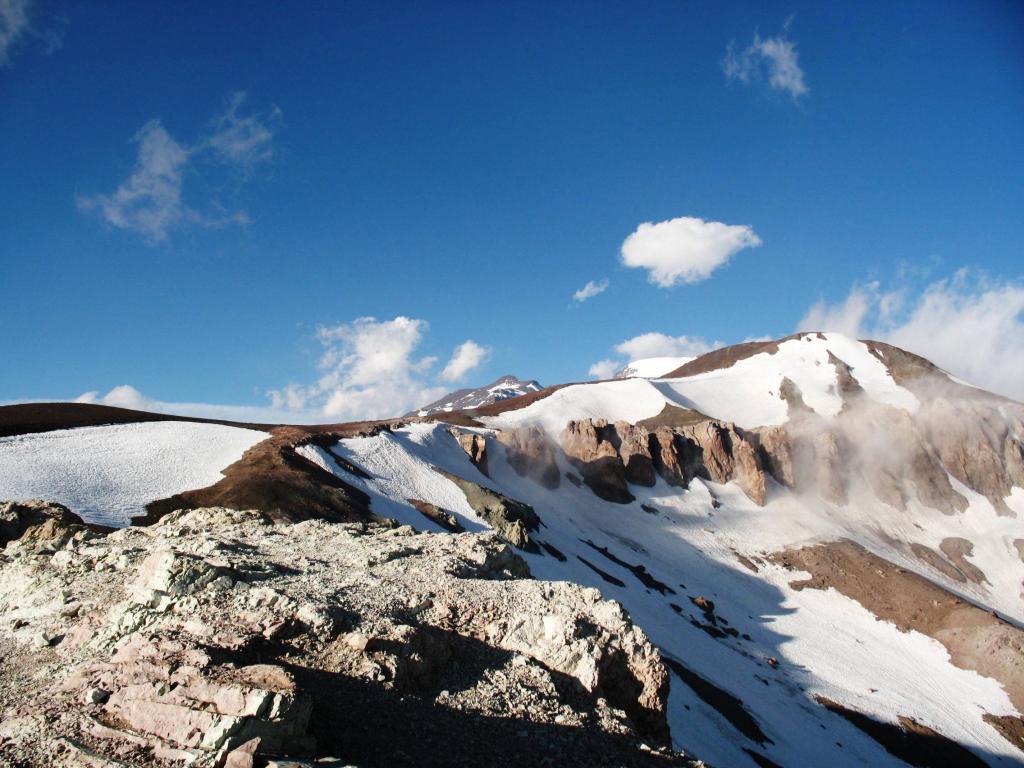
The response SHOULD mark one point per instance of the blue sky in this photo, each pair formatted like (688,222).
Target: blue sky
(201,203)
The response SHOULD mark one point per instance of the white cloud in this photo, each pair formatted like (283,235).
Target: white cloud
(605,369)
(661,345)
(14,23)
(772,57)
(686,249)
(150,201)
(590,290)
(969,325)
(648,345)
(369,371)
(467,356)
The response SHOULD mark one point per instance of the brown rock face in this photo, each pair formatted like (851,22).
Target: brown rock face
(531,455)
(39,519)
(589,446)
(610,456)
(720,452)
(475,447)
(635,451)
(665,456)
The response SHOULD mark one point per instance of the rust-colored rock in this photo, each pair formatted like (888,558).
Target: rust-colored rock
(590,446)
(635,451)
(475,447)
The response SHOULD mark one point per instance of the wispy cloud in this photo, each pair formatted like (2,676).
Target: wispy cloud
(968,324)
(127,396)
(774,59)
(686,249)
(590,290)
(14,24)
(150,202)
(467,356)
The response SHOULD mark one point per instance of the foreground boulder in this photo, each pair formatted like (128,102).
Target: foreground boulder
(215,638)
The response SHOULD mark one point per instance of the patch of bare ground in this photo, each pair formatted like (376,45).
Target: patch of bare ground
(26,418)
(275,479)
(726,357)
(673,416)
(1010,727)
(975,639)
(910,741)
(958,550)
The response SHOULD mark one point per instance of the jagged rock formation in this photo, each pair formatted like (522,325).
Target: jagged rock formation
(512,520)
(531,454)
(609,456)
(216,638)
(591,445)
(474,445)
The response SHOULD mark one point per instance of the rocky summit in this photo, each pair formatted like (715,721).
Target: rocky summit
(215,638)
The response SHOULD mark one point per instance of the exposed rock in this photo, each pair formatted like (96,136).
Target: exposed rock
(958,550)
(720,452)
(776,454)
(475,447)
(225,641)
(48,519)
(635,452)
(531,454)
(591,447)
(665,457)
(512,520)
(442,517)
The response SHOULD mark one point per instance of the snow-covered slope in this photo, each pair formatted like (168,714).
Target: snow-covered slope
(108,474)
(465,399)
(773,647)
(748,393)
(651,367)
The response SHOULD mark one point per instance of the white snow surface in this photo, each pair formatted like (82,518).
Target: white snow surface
(826,644)
(746,393)
(108,474)
(652,367)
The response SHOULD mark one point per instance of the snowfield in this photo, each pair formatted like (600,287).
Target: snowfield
(826,644)
(108,474)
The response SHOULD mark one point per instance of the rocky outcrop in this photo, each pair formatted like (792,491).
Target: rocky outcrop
(611,456)
(214,638)
(45,520)
(474,445)
(592,446)
(635,452)
(530,454)
(512,520)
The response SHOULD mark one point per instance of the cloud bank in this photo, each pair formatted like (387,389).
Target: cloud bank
(968,324)
(150,201)
(771,59)
(684,250)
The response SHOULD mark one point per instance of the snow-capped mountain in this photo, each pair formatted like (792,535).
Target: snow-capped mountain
(651,367)
(466,399)
(821,535)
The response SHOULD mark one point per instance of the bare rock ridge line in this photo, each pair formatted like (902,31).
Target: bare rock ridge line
(215,638)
